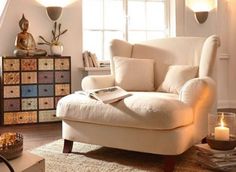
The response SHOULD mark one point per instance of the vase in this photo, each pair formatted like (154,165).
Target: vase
(56,50)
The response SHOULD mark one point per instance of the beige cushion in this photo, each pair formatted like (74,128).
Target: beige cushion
(176,76)
(134,74)
(148,110)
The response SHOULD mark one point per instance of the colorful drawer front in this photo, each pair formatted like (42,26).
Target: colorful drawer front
(20,117)
(45,64)
(29,77)
(46,103)
(11,105)
(50,115)
(56,100)
(11,78)
(62,77)
(45,77)
(11,64)
(28,64)
(11,91)
(62,89)
(46,90)
(62,64)
(29,104)
(29,90)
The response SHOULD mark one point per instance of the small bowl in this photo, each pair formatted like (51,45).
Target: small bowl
(221,144)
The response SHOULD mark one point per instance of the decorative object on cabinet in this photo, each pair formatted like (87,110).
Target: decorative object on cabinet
(31,88)
(55,44)
(25,44)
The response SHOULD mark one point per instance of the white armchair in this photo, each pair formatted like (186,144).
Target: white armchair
(148,121)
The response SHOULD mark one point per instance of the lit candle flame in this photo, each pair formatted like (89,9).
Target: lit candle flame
(222,120)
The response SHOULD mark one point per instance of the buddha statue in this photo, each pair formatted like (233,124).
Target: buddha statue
(25,44)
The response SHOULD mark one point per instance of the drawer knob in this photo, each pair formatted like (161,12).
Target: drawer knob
(29,104)
(29,77)
(11,77)
(62,63)
(45,90)
(28,64)
(45,64)
(45,103)
(11,91)
(54,115)
(29,90)
(62,89)
(62,76)
(11,105)
(11,64)
(20,117)
(45,77)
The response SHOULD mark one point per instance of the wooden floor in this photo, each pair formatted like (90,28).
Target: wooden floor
(36,135)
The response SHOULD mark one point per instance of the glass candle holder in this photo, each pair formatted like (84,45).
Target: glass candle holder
(221,131)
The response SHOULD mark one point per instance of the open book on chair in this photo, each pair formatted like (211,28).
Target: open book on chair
(107,95)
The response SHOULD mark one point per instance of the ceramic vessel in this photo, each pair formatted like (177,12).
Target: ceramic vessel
(56,50)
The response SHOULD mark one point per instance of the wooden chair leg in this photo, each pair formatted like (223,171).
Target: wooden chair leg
(204,140)
(169,163)
(68,144)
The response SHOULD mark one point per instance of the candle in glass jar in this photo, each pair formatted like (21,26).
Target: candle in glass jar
(222,132)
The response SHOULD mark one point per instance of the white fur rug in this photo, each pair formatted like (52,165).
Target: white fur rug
(93,158)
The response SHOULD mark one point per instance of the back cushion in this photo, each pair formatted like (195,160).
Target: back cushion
(134,74)
(176,77)
(169,51)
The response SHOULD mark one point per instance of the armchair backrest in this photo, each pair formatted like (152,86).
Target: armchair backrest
(195,51)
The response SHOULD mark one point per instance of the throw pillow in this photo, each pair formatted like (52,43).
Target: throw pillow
(134,74)
(176,77)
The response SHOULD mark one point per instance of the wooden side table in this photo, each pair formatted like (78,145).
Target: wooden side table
(27,162)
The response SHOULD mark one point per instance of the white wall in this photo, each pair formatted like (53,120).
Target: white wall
(41,25)
(221,21)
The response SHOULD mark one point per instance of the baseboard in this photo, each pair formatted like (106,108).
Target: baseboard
(222,104)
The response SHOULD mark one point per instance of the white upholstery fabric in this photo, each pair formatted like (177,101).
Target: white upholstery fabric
(97,81)
(176,76)
(141,110)
(167,142)
(134,74)
(151,122)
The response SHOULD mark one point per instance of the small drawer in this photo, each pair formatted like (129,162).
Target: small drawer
(29,91)
(20,117)
(62,77)
(46,103)
(11,64)
(45,77)
(11,105)
(46,90)
(29,77)
(62,89)
(56,100)
(11,78)
(11,91)
(62,64)
(28,64)
(29,104)
(45,64)
(46,116)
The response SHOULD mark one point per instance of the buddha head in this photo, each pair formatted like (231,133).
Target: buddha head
(24,23)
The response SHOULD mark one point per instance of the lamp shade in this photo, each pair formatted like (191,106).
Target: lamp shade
(201,17)
(54,13)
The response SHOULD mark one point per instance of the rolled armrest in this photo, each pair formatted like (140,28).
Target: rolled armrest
(199,92)
(97,81)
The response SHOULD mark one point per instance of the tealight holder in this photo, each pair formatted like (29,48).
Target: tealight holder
(221,131)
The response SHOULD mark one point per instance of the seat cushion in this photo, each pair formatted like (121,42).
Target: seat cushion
(146,110)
